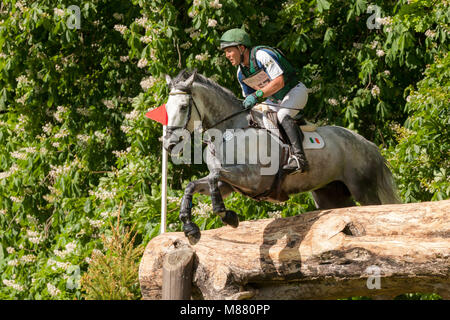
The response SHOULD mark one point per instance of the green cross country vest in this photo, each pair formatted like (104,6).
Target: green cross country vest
(291,78)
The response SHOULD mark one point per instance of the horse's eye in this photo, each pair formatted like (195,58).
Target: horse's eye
(184,107)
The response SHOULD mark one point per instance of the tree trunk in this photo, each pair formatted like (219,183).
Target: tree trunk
(376,251)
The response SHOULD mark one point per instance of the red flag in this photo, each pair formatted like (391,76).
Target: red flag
(158,114)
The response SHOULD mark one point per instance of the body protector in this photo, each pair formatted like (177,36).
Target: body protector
(255,77)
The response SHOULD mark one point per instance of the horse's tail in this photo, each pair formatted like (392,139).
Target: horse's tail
(386,187)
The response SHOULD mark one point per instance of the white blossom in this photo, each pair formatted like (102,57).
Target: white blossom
(103,194)
(99,135)
(120,28)
(60,111)
(14,168)
(202,210)
(380,53)
(52,290)
(333,102)
(84,112)
(202,57)
(125,129)
(212,23)
(19,155)
(47,128)
(275,214)
(142,63)
(28,258)
(147,83)
(133,115)
(375,91)
(34,237)
(386,21)
(430,34)
(108,104)
(59,12)
(146,39)
(13,284)
(63,132)
(84,138)
(22,80)
(193,13)
(186,45)
(124,58)
(121,153)
(215,4)
(142,21)
(13,262)
(57,171)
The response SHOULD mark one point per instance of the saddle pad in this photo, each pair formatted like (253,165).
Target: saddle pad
(313,140)
(309,127)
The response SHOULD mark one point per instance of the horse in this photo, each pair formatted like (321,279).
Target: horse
(348,168)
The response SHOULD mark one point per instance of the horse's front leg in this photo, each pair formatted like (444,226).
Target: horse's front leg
(228,216)
(191,230)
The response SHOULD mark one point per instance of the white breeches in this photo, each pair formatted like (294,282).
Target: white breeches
(295,98)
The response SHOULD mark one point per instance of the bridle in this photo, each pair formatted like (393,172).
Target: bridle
(188,118)
(189,111)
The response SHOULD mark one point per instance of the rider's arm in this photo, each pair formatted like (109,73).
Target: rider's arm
(273,86)
(271,66)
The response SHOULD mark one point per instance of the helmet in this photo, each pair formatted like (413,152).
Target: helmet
(235,37)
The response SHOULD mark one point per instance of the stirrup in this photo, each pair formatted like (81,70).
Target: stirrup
(301,166)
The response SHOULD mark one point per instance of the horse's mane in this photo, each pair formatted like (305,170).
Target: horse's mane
(224,92)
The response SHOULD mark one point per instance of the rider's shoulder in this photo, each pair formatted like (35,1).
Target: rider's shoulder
(265,53)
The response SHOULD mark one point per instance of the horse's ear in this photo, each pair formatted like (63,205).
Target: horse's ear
(168,80)
(190,80)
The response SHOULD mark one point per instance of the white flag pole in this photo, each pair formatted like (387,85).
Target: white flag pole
(164,188)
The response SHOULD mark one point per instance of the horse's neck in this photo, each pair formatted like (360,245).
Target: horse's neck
(214,108)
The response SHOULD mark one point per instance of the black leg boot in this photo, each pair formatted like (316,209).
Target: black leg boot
(297,161)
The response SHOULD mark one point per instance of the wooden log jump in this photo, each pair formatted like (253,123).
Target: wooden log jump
(376,251)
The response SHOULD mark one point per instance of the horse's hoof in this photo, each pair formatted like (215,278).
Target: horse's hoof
(231,219)
(192,232)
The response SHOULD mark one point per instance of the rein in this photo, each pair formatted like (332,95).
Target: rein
(192,102)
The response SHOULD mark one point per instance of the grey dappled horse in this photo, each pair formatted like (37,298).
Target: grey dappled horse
(348,168)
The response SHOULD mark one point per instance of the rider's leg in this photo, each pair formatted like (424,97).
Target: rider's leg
(296,98)
(298,159)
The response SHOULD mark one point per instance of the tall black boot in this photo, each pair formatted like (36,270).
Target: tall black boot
(297,161)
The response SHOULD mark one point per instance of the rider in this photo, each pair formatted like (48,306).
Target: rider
(264,72)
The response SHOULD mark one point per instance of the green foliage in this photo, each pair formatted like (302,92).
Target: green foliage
(421,159)
(114,275)
(74,142)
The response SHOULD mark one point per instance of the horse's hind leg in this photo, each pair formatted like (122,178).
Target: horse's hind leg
(333,195)
(365,193)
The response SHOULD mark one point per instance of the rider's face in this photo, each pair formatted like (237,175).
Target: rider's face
(233,55)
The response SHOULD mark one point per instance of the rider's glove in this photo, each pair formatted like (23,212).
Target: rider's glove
(250,101)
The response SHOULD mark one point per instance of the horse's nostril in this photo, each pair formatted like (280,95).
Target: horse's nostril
(170,146)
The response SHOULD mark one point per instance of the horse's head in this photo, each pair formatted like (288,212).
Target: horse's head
(180,109)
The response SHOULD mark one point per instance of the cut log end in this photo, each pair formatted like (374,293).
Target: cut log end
(177,274)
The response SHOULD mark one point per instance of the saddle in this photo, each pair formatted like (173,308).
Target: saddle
(262,117)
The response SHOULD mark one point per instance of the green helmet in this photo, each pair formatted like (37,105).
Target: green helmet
(235,37)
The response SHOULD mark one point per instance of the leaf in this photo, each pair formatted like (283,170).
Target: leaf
(322,5)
